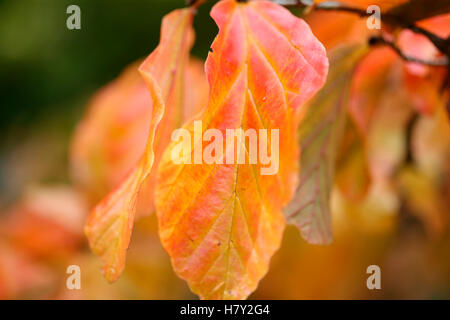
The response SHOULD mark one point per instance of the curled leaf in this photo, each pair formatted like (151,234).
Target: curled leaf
(111,222)
(379,68)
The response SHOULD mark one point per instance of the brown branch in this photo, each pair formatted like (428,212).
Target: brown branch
(382,41)
(443,45)
(391,18)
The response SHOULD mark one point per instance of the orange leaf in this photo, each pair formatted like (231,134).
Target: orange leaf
(337,28)
(221,223)
(111,137)
(21,276)
(110,223)
(46,222)
(375,72)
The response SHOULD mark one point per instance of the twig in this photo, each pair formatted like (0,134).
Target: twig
(443,45)
(382,41)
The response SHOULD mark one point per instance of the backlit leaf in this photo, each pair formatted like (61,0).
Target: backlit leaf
(110,222)
(320,134)
(221,223)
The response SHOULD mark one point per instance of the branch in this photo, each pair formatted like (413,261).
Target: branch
(382,41)
(415,10)
(393,19)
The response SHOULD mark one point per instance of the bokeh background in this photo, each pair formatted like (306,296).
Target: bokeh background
(48,75)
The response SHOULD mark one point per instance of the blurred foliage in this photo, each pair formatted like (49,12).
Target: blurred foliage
(48,72)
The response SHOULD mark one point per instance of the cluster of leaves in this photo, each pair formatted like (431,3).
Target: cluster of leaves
(364,133)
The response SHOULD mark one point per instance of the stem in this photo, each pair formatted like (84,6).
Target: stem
(382,41)
(195,3)
(443,45)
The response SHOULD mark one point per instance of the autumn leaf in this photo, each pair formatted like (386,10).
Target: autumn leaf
(221,223)
(320,134)
(375,72)
(342,29)
(112,135)
(110,223)
(21,275)
(336,28)
(46,222)
(439,25)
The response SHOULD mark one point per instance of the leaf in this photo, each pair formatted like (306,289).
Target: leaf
(111,137)
(221,223)
(423,185)
(379,69)
(22,276)
(191,98)
(46,222)
(439,25)
(111,222)
(319,135)
(335,27)
(340,28)
(424,83)
(117,120)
